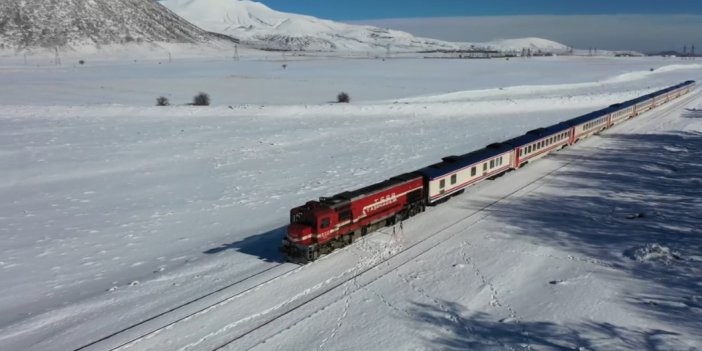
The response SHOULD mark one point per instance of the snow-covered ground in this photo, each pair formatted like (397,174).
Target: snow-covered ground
(119,217)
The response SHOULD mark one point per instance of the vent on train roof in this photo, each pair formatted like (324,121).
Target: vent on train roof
(450,159)
(333,200)
(536,131)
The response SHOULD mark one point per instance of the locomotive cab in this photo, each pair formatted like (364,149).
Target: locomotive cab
(309,225)
(308,221)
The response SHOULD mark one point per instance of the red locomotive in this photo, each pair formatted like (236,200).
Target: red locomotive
(319,227)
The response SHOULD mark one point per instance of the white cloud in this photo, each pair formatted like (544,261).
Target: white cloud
(612,32)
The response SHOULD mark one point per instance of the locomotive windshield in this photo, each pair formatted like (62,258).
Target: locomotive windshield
(300,218)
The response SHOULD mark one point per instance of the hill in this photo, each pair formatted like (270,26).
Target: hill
(68,24)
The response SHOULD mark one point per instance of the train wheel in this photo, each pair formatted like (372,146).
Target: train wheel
(355,236)
(313,254)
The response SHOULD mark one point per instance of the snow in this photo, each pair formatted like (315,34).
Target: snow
(530,43)
(119,217)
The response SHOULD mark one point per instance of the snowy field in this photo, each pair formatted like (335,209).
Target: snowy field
(119,218)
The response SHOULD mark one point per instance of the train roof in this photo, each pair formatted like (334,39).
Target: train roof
(589,116)
(346,197)
(451,164)
(622,105)
(536,134)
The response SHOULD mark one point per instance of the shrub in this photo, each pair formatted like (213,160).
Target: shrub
(162,101)
(201,99)
(343,98)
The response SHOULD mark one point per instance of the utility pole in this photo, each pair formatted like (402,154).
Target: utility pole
(693,51)
(236,52)
(684,51)
(57,58)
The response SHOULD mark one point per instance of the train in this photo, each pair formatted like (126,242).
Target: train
(320,226)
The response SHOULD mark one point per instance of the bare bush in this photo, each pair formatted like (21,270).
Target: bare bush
(343,98)
(162,101)
(201,99)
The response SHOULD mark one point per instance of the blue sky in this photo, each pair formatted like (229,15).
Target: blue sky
(641,25)
(380,9)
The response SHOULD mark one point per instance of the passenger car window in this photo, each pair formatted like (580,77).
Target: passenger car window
(472,171)
(453,179)
(442,183)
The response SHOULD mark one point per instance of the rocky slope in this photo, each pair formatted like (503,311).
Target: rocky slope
(65,24)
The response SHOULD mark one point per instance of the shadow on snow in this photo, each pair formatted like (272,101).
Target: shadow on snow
(643,190)
(264,246)
(692,113)
(452,327)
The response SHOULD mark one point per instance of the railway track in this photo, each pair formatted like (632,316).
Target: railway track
(392,263)
(176,309)
(396,261)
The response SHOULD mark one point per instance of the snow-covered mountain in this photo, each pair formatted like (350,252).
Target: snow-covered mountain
(533,44)
(65,24)
(257,25)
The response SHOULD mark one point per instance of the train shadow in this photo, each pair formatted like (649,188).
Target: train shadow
(452,326)
(263,246)
(692,113)
(635,205)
